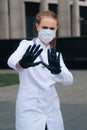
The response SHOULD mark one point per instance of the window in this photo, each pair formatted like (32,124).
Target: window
(83,21)
(31,9)
(53,7)
(81,0)
(71,28)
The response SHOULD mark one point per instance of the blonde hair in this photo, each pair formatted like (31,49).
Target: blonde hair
(51,14)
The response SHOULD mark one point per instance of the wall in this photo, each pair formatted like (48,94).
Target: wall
(74,51)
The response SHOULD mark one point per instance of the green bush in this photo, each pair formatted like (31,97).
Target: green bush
(7,79)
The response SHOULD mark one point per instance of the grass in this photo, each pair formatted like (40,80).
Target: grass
(7,79)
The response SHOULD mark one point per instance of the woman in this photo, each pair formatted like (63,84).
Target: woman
(39,68)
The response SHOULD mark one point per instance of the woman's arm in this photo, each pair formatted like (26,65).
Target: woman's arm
(13,60)
(65,76)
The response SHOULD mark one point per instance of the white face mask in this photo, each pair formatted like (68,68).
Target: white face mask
(46,35)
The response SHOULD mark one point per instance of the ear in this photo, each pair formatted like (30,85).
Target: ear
(57,28)
(37,26)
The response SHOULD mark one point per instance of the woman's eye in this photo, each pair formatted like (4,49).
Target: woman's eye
(51,28)
(44,27)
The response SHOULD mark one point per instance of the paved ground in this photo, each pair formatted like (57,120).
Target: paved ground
(73,103)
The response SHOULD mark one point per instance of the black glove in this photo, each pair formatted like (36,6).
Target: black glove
(30,55)
(54,62)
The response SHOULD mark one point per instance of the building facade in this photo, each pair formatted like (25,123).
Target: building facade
(17,17)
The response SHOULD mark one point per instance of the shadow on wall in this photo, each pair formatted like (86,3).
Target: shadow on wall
(74,51)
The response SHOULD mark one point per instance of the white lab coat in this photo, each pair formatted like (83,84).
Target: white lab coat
(37,101)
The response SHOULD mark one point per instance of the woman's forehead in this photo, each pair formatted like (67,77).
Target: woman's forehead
(48,20)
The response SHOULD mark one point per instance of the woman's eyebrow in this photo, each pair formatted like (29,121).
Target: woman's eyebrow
(45,27)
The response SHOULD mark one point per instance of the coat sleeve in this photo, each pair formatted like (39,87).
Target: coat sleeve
(17,55)
(65,77)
